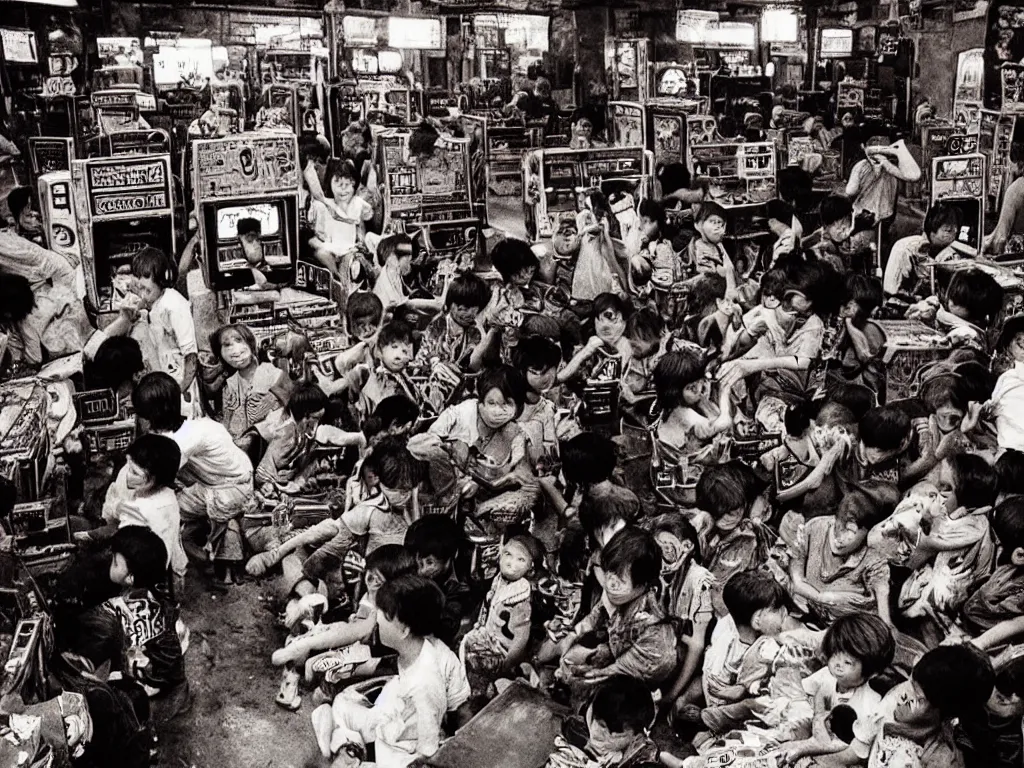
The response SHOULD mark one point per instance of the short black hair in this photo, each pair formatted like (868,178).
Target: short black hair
(249,226)
(588,458)
(773,283)
(536,353)
(835,208)
(394,466)
(797,418)
(396,331)
(653,210)
(861,508)
(117,361)
(645,324)
(512,256)
(1010,468)
(159,456)
(794,183)
(306,399)
(674,372)
(723,488)
(435,536)
(394,245)
(940,391)
(673,177)
(18,200)
(977,482)
(633,551)
(955,679)
(855,398)
(624,705)
(341,168)
(779,210)
(413,601)
(1008,526)
(392,411)
(865,290)
(748,592)
(391,561)
(144,553)
(364,305)
(468,290)
(154,264)
(511,383)
(940,214)
(16,297)
(605,302)
(157,398)
(708,209)
(865,637)
(884,427)
(1010,678)
(978,293)
(677,525)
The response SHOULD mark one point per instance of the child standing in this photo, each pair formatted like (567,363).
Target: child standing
(706,254)
(645,332)
(394,254)
(246,397)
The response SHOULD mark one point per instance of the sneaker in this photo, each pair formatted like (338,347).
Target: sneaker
(184,636)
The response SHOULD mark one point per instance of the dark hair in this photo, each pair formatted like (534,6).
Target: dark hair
(144,553)
(978,293)
(394,245)
(306,399)
(858,507)
(779,210)
(866,291)
(364,305)
(942,213)
(653,210)
(18,200)
(633,551)
(798,417)
(723,488)
(674,372)
(748,592)
(157,399)
(835,208)
(413,601)
(468,290)
(884,427)
(773,283)
(390,412)
(394,466)
(1008,526)
(677,525)
(976,481)
(624,704)
(117,361)
(249,226)
(840,721)
(396,331)
(605,302)
(391,561)
(941,391)
(512,256)
(955,679)
(423,139)
(855,398)
(1010,678)
(510,382)
(794,184)
(1010,468)
(536,353)
(708,209)
(94,633)
(645,324)
(217,338)
(154,264)
(865,637)
(159,456)
(340,168)
(16,297)
(588,458)
(817,281)
(435,536)
(673,177)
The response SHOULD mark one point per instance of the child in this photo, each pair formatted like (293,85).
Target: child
(1006,406)
(973,301)
(833,571)
(117,366)
(874,181)
(435,542)
(608,344)
(171,329)
(831,242)
(645,332)
(991,738)
(337,231)
(246,396)
(706,254)
(404,723)
(996,607)
(539,357)
(394,352)
(641,643)
(912,724)
(686,595)
(290,447)
(138,567)
(454,338)
(249,232)
(41,325)
(904,273)
(597,268)
(517,264)
(957,553)
(150,471)
(394,254)
(861,342)
(588,464)
(856,648)
(498,642)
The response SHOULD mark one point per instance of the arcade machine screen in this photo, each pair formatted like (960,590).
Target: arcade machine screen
(231,254)
(115,244)
(561,182)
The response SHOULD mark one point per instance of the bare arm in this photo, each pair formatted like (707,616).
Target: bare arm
(1001,633)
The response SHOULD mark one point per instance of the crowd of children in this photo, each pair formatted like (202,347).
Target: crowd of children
(682,496)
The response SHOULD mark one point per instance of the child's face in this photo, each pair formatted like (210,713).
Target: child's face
(396,497)
(840,231)
(396,355)
(119,572)
(392,631)
(947,486)
(770,301)
(496,410)
(1005,704)
(620,589)
(849,310)
(541,379)
(846,669)
(342,187)
(136,478)
(643,348)
(876,455)
(914,708)
(713,229)
(364,327)
(515,562)
(730,521)
(432,566)
(847,537)
(524,276)
(609,326)
(1016,348)
(148,290)
(943,236)
(374,580)
(797,303)
(948,418)
(602,740)
(235,352)
(464,315)
(308,425)
(675,552)
(769,621)
(696,391)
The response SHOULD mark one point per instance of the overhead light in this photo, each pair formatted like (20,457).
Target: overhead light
(57,3)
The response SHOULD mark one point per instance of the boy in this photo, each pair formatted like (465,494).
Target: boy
(1006,406)
(249,232)
(991,738)
(903,271)
(706,254)
(832,242)
(588,463)
(641,642)
(994,614)
(874,181)
(517,264)
(138,566)
(645,332)
(454,338)
(973,301)
(405,722)
(394,352)
(434,541)
(290,445)
(539,357)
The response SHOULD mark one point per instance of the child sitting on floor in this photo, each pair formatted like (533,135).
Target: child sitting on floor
(991,737)
(996,609)
(291,441)
(435,541)
(394,352)
(246,396)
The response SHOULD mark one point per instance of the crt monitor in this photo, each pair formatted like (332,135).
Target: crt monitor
(835,43)
(248,237)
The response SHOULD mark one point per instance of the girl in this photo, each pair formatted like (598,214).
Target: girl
(337,232)
(247,397)
(686,596)
(597,270)
(861,339)
(171,330)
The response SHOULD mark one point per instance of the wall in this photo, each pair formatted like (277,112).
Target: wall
(938,46)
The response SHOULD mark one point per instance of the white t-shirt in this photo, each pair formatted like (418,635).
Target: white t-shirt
(862,699)
(173,335)
(341,234)
(160,513)
(876,190)
(1008,398)
(210,455)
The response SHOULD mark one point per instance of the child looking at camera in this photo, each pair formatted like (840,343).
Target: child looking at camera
(607,353)
(394,353)
(246,396)
(338,229)
(706,254)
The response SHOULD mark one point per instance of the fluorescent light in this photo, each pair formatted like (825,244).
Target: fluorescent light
(58,3)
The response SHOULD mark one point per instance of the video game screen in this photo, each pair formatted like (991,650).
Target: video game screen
(267,214)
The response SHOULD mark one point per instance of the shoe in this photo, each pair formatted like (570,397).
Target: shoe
(304,608)
(184,636)
(288,697)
